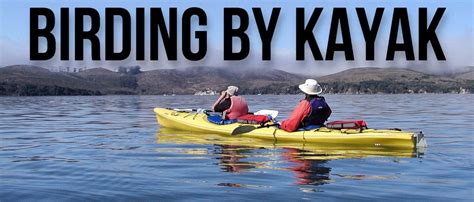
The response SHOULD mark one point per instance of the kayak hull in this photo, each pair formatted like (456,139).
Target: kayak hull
(308,151)
(379,138)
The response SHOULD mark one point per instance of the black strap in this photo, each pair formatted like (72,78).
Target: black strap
(268,125)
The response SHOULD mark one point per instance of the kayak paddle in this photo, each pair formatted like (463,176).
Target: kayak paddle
(267,112)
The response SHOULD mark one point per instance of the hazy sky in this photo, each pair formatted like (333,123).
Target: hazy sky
(455,33)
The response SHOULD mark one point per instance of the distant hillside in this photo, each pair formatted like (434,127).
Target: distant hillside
(466,75)
(32,80)
(374,74)
(109,82)
(392,80)
(441,70)
(196,79)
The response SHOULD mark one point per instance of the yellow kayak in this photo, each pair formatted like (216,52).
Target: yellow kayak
(189,121)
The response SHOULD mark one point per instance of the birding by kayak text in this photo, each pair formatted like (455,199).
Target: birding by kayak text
(305,27)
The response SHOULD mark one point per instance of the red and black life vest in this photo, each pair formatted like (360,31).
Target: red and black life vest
(238,107)
(320,112)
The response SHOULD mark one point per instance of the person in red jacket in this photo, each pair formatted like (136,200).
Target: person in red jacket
(231,103)
(313,110)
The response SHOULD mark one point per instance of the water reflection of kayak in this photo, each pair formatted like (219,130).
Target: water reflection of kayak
(308,162)
(328,137)
(308,151)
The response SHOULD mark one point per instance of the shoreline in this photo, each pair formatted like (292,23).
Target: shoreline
(242,94)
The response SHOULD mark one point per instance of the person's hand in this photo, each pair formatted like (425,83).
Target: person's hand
(223,94)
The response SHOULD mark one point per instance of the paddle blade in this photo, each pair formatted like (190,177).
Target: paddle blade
(243,129)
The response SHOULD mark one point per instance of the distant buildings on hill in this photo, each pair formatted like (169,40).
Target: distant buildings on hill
(208,91)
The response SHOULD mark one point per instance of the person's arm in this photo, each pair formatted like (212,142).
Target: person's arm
(328,112)
(296,117)
(223,105)
(219,100)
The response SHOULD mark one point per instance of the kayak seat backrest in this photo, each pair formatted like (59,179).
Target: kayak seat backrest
(219,121)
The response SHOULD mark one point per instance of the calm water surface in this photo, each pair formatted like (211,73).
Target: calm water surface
(111,148)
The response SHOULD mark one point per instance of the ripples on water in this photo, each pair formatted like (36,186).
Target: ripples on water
(111,148)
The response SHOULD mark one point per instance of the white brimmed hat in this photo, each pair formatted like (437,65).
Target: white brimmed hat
(311,87)
(232,90)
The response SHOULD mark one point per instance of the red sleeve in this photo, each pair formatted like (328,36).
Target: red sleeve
(296,117)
